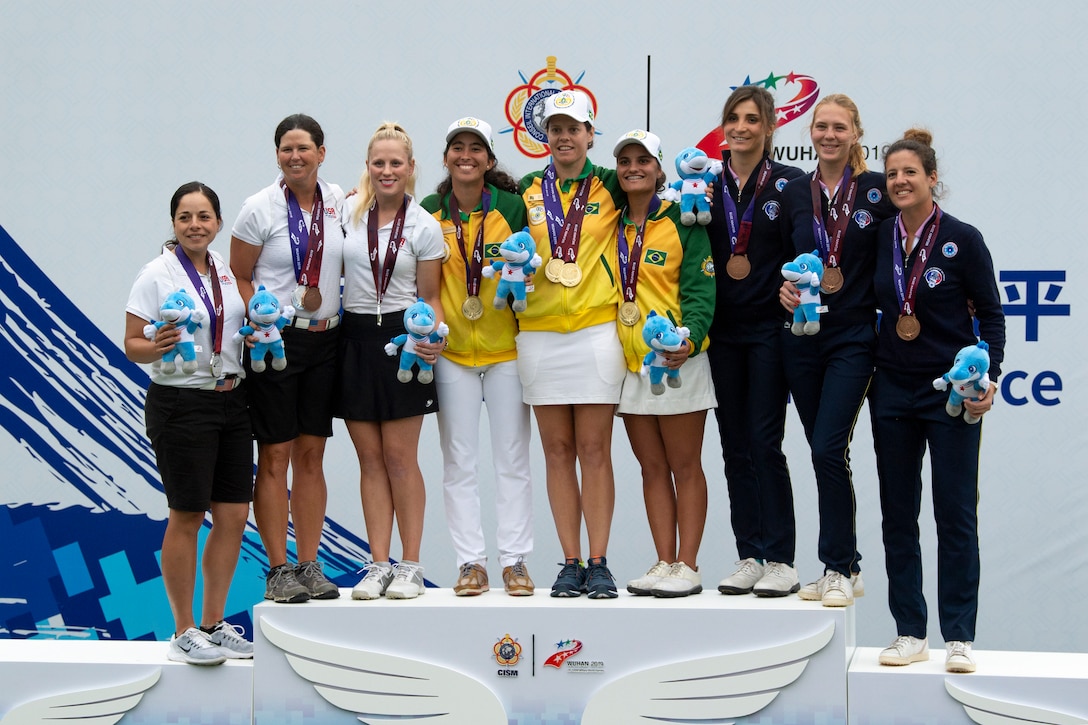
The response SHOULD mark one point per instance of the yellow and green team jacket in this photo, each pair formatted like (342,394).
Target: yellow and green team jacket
(489,339)
(551,306)
(675,278)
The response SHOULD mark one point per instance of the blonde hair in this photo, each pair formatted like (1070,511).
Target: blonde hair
(857,154)
(387,131)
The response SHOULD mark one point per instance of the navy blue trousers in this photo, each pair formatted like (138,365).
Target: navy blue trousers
(750,384)
(828,376)
(908,417)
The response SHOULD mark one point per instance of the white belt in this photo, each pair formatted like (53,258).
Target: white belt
(305,323)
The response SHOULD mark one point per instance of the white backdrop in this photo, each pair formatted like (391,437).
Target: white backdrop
(107,107)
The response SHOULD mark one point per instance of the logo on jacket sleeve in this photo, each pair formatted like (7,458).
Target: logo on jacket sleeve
(873,195)
(862,218)
(950,249)
(934,276)
(771,209)
(708,266)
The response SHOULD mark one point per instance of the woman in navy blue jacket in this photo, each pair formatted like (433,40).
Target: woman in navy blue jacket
(746,346)
(836,211)
(934,282)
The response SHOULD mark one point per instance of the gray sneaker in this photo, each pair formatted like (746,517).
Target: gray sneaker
(230,641)
(282,586)
(194,648)
(374,582)
(407,581)
(310,575)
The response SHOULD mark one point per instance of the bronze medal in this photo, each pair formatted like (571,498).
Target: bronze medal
(570,275)
(311,299)
(738,266)
(472,308)
(832,281)
(551,270)
(629,313)
(907,327)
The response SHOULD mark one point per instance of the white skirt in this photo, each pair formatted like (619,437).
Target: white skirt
(584,366)
(696,392)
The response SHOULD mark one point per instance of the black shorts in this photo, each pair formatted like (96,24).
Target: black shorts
(285,404)
(203,445)
(367,388)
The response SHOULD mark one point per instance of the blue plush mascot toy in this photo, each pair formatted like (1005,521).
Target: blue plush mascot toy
(696,170)
(180,309)
(662,336)
(266,320)
(520,260)
(968,379)
(805,271)
(420,323)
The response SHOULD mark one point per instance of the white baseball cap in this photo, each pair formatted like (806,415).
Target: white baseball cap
(569,103)
(472,125)
(645,139)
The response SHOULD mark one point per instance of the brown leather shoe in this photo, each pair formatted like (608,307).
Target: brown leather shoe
(471,581)
(516,580)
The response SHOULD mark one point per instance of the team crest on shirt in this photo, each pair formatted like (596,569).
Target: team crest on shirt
(447,252)
(708,266)
(862,218)
(771,209)
(536,214)
(780,184)
(950,249)
(655,257)
(873,195)
(934,276)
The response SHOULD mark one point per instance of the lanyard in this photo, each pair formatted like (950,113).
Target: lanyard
(396,240)
(474,266)
(830,241)
(308,270)
(631,257)
(213,305)
(740,231)
(906,288)
(564,231)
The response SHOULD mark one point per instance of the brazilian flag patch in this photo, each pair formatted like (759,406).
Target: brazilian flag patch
(593,207)
(491,251)
(655,257)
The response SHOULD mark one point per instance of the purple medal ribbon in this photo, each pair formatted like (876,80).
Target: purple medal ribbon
(308,270)
(831,243)
(564,231)
(214,305)
(474,266)
(906,288)
(631,257)
(740,232)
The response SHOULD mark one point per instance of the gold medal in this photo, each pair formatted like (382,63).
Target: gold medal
(551,270)
(570,275)
(907,327)
(738,266)
(832,281)
(629,313)
(472,308)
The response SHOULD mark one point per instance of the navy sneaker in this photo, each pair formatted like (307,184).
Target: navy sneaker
(571,581)
(599,580)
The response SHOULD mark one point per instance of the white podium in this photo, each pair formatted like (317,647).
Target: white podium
(500,659)
(54,681)
(1008,687)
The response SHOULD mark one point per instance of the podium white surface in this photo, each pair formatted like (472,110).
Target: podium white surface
(98,682)
(501,659)
(1008,687)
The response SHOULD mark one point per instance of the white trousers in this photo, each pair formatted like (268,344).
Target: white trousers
(461,391)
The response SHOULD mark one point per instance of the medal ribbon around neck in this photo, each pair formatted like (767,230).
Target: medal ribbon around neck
(830,241)
(631,257)
(391,250)
(213,305)
(564,231)
(906,289)
(740,232)
(473,266)
(312,247)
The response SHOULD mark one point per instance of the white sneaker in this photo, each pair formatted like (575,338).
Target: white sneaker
(837,590)
(811,592)
(904,650)
(642,586)
(958,657)
(680,581)
(374,583)
(194,648)
(407,582)
(743,579)
(230,640)
(778,580)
